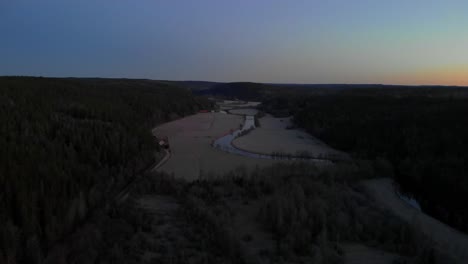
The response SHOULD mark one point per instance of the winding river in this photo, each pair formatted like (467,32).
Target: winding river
(224,143)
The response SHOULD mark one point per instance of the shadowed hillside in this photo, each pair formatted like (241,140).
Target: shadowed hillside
(68,145)
(421,132)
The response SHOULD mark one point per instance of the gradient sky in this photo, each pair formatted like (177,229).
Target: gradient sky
(285,41)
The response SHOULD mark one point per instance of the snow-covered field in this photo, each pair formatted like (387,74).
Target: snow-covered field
(245,111)
(273,136)
(191,141)
(229,104)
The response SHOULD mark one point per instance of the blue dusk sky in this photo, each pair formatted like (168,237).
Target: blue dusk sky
(282,41)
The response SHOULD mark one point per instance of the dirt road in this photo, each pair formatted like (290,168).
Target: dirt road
(123,194)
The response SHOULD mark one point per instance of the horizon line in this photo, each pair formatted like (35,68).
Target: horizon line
(225,82)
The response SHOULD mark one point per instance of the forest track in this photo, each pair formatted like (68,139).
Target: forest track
(123,194)
(163,161)
(446,239)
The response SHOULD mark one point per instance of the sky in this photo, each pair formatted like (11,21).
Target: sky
(276,41)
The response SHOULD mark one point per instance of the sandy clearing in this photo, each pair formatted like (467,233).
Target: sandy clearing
(447,239)
(272,136)
(190,139)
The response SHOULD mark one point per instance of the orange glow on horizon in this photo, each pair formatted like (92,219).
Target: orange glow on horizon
(456,75)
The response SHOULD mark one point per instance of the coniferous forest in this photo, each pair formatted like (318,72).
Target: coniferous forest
(421,132)
(68,145)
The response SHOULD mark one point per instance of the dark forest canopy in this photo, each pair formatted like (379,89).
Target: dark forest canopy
(423,133)
(66,145)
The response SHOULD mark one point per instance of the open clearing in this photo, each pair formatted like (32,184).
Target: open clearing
(446,238)
(229,104)
(246,111)
(273,136)
(192,155)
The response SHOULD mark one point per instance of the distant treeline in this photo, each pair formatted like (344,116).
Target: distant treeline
(67,145)
(422,133)
(262,91)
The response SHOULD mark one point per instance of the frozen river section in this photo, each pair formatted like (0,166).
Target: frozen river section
(224,143)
